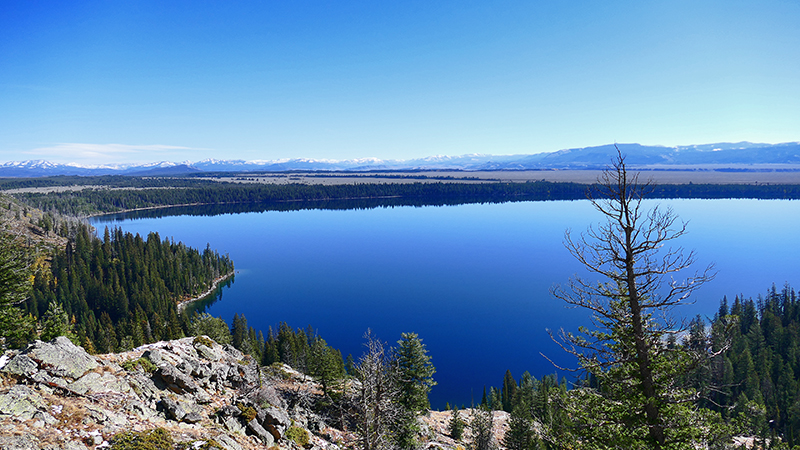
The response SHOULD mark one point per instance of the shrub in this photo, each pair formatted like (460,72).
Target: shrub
(298,435)
(213,327)
(248,412)
(203,340)
(155,439)
(142,363)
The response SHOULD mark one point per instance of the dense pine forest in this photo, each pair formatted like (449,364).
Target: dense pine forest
(122,290)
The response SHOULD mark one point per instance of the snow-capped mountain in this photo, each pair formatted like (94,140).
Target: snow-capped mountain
(740,155)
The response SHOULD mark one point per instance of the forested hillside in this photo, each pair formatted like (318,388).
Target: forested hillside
(122,290)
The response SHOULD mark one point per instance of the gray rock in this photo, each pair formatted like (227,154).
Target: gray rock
(229,411)
(45,417)
(110,419)
(266,396)
(21,365)
(192,417)
(61,358)
(145,387)
(233,425)
(22,402)
(156,356)
(143,411)
(275,416)
(72,445)
(233,352)
(274,420)
(227,442)
(176,380)
(93,382)
(266,437)
(173,409)
(210,353)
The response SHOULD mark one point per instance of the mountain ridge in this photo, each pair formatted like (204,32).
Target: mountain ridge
(725,155)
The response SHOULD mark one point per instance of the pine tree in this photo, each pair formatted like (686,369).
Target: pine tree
(520,435)
(415,373)
(456,425)
(16,327)
(509,392)
(481,424)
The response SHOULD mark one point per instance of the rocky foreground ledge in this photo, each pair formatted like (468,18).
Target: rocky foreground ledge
(54,395)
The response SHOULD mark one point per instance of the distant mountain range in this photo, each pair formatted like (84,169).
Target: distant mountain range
(733,156)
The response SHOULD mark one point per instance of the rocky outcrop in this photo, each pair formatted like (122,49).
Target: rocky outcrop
(55,395)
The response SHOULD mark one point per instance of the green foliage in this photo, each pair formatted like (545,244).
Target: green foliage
(15,272)
(520,434)
(203,340)
(139,363)
(56,323)
(122,290)
(155,439)
(16,327)
(214,327)
(414,372)
(248,412)
(456,425)
(298,435)
(481,422)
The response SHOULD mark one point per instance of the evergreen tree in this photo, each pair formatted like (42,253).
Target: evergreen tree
(481,424)
(56,323)
(16,327)
(456,425)
(415,373)
(520,435)
(509,391)
(213,327)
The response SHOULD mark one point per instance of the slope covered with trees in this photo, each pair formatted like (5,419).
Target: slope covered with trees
(123,290)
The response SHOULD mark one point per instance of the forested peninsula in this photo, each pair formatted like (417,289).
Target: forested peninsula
(110,291)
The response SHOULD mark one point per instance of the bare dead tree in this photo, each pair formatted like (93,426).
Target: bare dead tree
(639,375)
(376,398)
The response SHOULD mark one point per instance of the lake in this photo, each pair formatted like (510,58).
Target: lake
(472,280)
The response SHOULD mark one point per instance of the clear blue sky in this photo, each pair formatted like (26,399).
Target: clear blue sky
(134,81)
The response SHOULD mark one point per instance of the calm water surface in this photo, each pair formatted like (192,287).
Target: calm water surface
(472,280)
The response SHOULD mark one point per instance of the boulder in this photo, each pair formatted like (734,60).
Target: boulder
(176,380)
(274,420)
(172,409)
(21,402)
(61,358)
(266,437)
(93,382)
(19,443)
(227,443)
(21,365)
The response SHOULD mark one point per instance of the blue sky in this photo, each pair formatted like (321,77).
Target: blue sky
(137,81)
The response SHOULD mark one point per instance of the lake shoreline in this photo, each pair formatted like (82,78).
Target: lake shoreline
(217,281)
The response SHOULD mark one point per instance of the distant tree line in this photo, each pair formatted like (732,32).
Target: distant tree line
(187,191)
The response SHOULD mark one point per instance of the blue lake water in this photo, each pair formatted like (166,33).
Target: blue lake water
(472,280)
